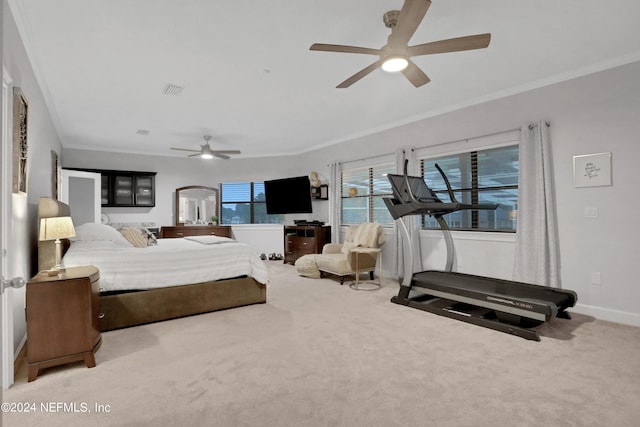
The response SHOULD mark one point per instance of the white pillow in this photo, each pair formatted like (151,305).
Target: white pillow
(92,231)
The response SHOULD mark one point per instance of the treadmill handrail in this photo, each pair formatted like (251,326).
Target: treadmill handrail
(446,182)
(406,182)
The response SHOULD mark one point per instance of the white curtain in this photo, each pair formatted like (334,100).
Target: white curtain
(412,222)
(335,200)
(536,254)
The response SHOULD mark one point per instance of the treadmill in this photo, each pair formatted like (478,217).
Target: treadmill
(503,305)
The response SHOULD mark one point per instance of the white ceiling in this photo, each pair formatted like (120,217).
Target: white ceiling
(251,82)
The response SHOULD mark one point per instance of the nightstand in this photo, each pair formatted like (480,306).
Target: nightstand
(63,318)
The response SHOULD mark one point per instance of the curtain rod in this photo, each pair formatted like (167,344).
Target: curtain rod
(531,126)
(366,158)
(534,125)
(465,139)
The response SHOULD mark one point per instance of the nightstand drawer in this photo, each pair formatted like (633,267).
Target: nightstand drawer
(301,243)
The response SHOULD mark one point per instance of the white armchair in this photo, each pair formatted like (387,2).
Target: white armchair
(340,260)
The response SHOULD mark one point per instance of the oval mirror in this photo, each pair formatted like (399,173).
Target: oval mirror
(195,205)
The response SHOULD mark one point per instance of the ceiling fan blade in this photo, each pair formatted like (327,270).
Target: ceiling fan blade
(360,74)
(344,49)
(194,155)
(222,156)
(479,41)
(415,75)
(410,17)
(226,151)
(185,149)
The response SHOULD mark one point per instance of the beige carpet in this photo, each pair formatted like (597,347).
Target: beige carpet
(321,354)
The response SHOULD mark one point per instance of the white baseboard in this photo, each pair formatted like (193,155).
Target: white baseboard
(20,347)
(20,356)
(617,316)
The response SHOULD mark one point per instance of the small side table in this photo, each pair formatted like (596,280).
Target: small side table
(377,252)
(63,319)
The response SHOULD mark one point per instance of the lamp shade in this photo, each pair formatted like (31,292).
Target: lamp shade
(60,227)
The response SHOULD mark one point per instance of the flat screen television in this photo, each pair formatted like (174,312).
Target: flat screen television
(288,195)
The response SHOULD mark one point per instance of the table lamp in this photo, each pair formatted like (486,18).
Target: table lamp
(56,228)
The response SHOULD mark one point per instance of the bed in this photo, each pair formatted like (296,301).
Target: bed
(171,279)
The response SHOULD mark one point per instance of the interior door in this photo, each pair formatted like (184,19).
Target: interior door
(81,191)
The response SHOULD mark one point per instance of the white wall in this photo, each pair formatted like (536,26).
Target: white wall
(42,138)
(264,238)
(589,114)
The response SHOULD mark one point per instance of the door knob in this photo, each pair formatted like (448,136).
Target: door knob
(16,282)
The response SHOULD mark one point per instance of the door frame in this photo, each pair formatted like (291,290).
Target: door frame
(6,311)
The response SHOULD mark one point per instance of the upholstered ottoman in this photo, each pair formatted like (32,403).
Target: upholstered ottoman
(306,266)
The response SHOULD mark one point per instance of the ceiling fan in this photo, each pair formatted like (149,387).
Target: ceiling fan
(396,54)
(206,152)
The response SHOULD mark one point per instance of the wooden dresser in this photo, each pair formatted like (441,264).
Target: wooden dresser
(301,240)
(63,319)
(195,230)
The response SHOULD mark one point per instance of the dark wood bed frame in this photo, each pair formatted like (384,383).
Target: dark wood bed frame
(121,310)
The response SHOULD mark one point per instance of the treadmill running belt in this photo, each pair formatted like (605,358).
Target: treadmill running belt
(459,282)
(492,285)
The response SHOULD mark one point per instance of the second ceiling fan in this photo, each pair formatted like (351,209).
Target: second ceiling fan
(396,54)
(206,152)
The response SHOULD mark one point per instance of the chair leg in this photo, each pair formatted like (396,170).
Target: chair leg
(341,280)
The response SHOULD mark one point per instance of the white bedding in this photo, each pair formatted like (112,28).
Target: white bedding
(171,262)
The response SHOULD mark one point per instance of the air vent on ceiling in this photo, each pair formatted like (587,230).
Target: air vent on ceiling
(171,89)
(142,132)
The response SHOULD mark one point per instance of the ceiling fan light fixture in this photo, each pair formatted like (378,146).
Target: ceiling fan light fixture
(206,152)
(394,64)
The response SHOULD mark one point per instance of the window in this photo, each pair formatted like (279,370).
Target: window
(362,192)
(244,203)
(483,176)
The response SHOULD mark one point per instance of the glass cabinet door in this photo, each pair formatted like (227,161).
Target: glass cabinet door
(104,190)
(144,191)
(123,190)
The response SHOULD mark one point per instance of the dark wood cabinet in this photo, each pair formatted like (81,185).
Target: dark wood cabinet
(63,315)
(128,189)
(301,240)
(125,188)
(195,230)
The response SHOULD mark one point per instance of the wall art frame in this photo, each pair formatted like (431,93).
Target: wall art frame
(20,141)
(592,170)
(56,172)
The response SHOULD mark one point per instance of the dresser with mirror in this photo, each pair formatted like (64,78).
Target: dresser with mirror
(196,213)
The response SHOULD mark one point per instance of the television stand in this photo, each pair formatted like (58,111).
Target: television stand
(307,222)
(302,240)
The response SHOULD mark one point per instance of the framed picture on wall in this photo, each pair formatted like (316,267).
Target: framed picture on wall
(592,170)
(20,142)
(55,175)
